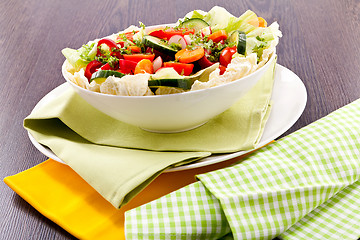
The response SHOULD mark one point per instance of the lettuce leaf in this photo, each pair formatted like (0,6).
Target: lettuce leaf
(218,18)
(197,14)
(81,57)
(262,38)
(241,23)
(73,56)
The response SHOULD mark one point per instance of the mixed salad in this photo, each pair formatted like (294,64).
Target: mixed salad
(202,50)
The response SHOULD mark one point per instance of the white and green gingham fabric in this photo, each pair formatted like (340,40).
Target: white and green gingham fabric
(304,186)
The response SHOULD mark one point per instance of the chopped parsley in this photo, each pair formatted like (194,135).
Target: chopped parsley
(142,25)
(212,49)
(85,52)
(107,58)
(122,36)
(181,23)
(260,39)
(175,46)
(140,44)
(258,49)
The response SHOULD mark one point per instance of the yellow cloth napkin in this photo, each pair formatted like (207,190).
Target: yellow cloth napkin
(61,195)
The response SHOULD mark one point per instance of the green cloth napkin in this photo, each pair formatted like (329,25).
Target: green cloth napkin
(119,160)
(239,128)
(304,186)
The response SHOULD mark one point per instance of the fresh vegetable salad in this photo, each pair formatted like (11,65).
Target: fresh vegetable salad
(201,50)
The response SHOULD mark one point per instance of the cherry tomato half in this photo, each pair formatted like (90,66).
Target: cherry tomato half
(138,57)
(181,68)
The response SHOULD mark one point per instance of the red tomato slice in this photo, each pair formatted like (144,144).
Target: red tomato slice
(222,69)
(226,55)
(126,66)
(169,32)
(181,68)
(107,67)
(158,33)
(139,57)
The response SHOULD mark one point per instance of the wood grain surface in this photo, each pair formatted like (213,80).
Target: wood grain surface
(320,44)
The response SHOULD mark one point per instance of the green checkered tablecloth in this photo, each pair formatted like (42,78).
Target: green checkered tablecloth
(304,186)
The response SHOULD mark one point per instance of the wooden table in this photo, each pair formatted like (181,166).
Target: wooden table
(320,44)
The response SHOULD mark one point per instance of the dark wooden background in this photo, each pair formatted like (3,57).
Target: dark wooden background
(320,44)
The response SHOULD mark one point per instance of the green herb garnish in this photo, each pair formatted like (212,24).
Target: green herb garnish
(142,25)
(85,50)
(175,46)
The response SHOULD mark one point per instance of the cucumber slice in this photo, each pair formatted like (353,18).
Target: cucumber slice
(170,78)
(239,38)
(194,23)
(182,83)
(158,44)
(101,75)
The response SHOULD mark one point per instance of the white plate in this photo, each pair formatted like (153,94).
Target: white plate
(289,99)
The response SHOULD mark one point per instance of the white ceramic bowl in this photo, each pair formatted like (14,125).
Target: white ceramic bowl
(174,112)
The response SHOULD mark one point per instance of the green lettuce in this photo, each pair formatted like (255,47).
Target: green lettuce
(257,39)
(79,58)
(241,23)
(220,19)
(262,38)
(197,14)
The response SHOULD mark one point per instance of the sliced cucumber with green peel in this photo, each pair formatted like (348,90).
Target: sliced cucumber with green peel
(158,44)
(169,78)
(239,38)
(171,82)
(194,23)
(101,75)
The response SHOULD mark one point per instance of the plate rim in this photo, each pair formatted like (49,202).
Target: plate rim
(204,161)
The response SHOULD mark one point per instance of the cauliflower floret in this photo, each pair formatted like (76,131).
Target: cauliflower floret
(239,67)
(129,85)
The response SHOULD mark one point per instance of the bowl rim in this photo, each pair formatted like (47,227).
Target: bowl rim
(199,91)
